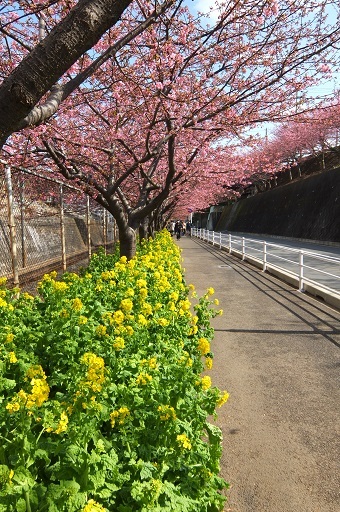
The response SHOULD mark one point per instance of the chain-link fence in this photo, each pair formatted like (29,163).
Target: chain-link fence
(46,226)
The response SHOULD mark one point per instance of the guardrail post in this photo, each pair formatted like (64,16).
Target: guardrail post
(213,237)
(229,243)
(264,256)
(243,248)
(301,288)
(220,240)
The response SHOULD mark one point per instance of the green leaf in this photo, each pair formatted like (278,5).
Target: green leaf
(21,505)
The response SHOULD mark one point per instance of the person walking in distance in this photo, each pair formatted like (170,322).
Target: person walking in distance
(178,229)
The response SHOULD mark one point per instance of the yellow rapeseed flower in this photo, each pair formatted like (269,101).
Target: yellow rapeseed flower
(62,425)
(142,320)
(143,379)
(184,441)
(118,317)
(77,304)
(119,416)
(101,330)
(60,286)
(39,393)
(126,305)
(206,382)
(171,306)
(185,304)
(108,275)
(129,330)
(174,296)
(3,304)
(12,357)
(163,322)
(208,363)
(166,412)
(95,376)
(119,343)
(141,283)
(143,292)
(13,407)
(27,296)
(203,346)
(93,506)
(223,398)
(35,371)
(9,337)
(147,309)
(152,363)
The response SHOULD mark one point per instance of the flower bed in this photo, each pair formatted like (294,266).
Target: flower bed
(103,404)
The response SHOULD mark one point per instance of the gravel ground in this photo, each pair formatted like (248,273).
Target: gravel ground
(277,353)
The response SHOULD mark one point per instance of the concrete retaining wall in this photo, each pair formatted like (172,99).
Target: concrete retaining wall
(307,209)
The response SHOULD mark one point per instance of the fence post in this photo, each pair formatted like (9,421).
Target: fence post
(11,225)
(229,243)
(264,256)
(243,248)
(62,229)
(301,288)
(213,237)
(23,226)
(104,229)
(88,226)
(115,232)
(220,240)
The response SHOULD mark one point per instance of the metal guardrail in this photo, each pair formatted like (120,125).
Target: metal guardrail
(305,269)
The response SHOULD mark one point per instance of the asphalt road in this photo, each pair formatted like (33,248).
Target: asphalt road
(276,351)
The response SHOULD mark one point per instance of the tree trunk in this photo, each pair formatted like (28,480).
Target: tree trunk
(52,57)
(143,229)
(127,241)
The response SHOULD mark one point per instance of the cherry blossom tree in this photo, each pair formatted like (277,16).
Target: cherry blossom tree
(155,125)
(313,134)
(32,70)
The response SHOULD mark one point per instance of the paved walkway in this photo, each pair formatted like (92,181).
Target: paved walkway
(277,353)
